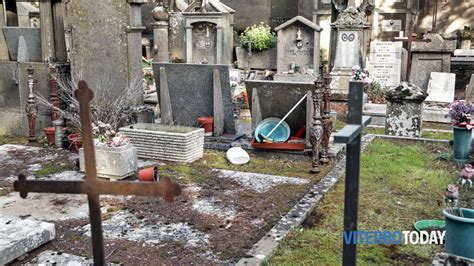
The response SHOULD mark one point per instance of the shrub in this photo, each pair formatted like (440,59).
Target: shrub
(261,35)
(376,92)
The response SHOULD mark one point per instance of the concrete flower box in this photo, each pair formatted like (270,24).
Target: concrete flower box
(166,143)
(260,59)
(113,163)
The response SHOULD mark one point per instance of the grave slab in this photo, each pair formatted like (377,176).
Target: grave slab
(441,87)
(259,182)
(48,207)
(50,258)
(19,236)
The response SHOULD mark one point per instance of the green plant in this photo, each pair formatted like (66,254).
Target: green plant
(376,92)
(260,35)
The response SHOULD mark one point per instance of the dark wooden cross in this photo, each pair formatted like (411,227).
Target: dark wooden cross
(92,186)
(351,135)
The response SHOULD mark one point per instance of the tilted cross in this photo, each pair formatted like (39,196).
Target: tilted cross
(92,186)
(351,135)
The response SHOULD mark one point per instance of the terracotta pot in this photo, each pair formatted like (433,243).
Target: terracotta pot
(246,98)
(207,123)
(50,134)
(148,174)
(75,141)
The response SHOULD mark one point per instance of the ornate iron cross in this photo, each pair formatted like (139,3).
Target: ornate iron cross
(92,186)
(351,135)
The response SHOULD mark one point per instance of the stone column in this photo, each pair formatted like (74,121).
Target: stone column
(350,25)
(316,52)
(160,35)
(59,35)
(3,43)
(189,44)
(219,49)
(404,110)
(47,34)
(135,42)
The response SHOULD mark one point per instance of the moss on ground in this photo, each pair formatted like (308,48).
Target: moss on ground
(400,184)
(4,139)
(53,168)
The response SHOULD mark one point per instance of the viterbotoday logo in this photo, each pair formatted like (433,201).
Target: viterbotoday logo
(394,238)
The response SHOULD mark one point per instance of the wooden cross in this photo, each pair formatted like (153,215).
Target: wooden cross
(351,135)
(92,186)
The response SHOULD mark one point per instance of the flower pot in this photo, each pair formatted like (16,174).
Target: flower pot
(148,174)
(75,141)
(207,123)
(113,162)
(166,143)
(50,134)
(459,239)
(462,144)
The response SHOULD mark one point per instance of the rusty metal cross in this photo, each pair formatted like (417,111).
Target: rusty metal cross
(92,186)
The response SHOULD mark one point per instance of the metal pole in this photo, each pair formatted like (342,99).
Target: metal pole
(351,193)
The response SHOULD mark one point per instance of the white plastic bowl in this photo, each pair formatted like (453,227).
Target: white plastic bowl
(237,156)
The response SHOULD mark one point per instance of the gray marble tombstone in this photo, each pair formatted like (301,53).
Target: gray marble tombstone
(191,93)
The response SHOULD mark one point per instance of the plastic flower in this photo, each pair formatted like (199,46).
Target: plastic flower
(460,111)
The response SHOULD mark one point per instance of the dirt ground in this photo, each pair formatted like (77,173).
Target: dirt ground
(222,233)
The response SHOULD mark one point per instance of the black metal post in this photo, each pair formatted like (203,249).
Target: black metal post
(351,135)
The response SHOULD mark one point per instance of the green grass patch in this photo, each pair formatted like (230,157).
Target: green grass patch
(437,135)
(400,184)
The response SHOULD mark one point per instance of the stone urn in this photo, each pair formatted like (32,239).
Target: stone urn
(404,110)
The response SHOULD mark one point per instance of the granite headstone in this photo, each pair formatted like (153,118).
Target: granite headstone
(191,93)
(32,37)
(277,98)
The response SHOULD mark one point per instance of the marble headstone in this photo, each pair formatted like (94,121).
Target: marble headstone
(441,87)
(386,63)
(191,94)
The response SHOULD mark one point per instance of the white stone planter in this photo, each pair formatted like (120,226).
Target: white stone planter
(166,143)
(113,163)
